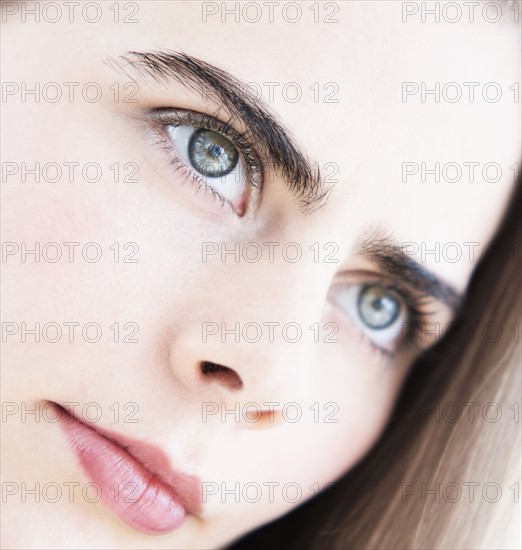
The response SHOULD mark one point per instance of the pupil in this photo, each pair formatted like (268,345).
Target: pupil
(378,304)
(215,151)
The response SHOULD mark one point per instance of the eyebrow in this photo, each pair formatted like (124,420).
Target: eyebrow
(301,176)
(380,248)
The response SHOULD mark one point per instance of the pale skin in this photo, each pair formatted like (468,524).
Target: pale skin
(170,292)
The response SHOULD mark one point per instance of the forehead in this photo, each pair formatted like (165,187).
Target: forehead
(414,115)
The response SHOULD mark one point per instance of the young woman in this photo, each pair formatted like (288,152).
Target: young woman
(259,265)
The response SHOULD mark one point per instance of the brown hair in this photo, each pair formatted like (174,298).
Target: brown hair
(445,430)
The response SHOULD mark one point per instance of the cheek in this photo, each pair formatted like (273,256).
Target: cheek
(54,204)
(362,393)
(52,235)
(43,283)
(126,255)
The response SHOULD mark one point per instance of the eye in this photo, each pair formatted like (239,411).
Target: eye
(215,159)
(377,311)
(212,156)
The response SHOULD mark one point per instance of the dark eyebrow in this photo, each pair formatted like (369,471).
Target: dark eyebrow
(302,177)
(380,248)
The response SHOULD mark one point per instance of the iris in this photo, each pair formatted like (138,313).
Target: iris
(212,154)
(378,307)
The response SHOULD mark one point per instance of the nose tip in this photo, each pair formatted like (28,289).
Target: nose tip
(224,376)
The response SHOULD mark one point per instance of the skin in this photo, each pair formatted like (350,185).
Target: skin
(170,292)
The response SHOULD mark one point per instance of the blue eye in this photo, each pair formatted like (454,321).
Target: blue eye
(214,161)
(212,154)
(377,311)
(378,307)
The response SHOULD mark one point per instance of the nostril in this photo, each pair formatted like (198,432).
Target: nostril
(225,376)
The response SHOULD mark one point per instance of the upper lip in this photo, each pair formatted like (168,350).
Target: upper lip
(185,486)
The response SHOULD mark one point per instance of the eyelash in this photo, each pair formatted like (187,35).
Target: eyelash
(165,117)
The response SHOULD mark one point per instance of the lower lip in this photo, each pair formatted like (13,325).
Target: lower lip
(136,495)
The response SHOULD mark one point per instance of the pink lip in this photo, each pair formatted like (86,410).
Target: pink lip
(135,478)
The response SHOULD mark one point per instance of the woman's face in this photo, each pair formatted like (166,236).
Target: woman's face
(246,272)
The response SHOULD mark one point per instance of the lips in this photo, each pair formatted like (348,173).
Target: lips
(135,479)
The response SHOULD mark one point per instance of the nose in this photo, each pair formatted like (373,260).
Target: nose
(251,342)
(243,360)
